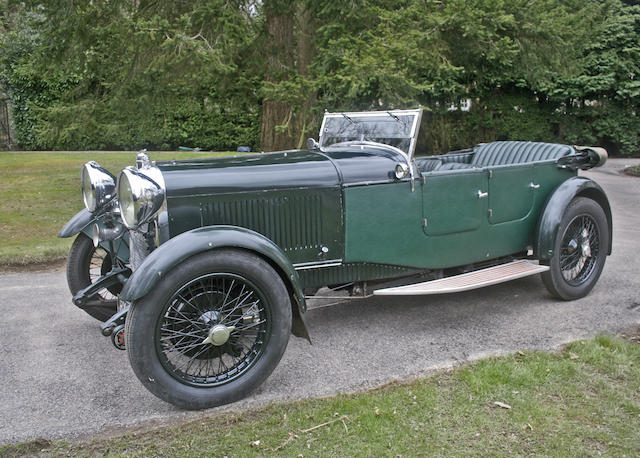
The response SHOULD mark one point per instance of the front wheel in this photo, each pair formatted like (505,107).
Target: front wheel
(86,264)
(211,331)
(580,250)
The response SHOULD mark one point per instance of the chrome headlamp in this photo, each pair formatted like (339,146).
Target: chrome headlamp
(141,193)
(98,186)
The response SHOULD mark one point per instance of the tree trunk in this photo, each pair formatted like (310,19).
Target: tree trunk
(304,120)
(276,128)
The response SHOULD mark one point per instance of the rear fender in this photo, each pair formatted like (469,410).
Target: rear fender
(556,206)
(179,248)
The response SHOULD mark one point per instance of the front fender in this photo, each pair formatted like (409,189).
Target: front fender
(77,223)
(555,208)
(83,221)
(179,248)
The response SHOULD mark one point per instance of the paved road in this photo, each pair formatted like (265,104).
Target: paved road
(60,378)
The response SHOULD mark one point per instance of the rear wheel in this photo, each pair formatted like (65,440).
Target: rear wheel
(580,251)
(211,331)
(85,264)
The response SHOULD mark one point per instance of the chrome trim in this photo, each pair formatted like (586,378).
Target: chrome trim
(373,182)
(142,160)
(148,192)
(340,298)
(365,114)
(414,133)
(393,113)
(107,232)
(318,265)
(401,171)
(371,144)
(138,249)
(162,225)
(312,144)
(100,183)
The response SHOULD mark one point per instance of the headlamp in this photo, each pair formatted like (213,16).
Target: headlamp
(141,193)
(98,186)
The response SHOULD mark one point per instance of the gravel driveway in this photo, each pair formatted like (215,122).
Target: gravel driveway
(60,378)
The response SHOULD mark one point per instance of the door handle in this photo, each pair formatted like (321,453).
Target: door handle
(482,195)
(533,185)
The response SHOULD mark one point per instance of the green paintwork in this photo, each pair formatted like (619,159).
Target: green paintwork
(556,206)
(388,217)
(248,173)
(178,249)
(347,273)
(185,245)
(319,206)
(77,223)
(302,222)
(292,198)
(450,202)
(510,192)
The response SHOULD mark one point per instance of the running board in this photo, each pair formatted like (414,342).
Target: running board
(471,280)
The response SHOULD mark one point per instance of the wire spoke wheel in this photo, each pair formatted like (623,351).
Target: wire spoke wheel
(211,331)
(226,307)
(85,265)
(580,249)
(100,264)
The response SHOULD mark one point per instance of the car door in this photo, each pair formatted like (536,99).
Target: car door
(511,192)
(454,202)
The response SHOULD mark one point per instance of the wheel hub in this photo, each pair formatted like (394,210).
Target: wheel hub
(219,335)
(209,317)
(572,246)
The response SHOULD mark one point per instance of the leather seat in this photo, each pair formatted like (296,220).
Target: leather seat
(455,166)
(501,153)
(429,165)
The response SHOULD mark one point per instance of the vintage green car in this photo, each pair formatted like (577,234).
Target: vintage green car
(224,253)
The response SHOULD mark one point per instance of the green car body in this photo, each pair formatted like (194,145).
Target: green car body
(339,217)
(360,208)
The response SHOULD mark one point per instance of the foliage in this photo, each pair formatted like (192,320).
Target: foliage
(130,74)
(633,171)
(514,61)
(135,74)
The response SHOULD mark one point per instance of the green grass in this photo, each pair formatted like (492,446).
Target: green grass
(582,401)
(39,192)
(633,171)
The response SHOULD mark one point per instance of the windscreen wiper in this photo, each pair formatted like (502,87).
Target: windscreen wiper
(393,116)
(348,118)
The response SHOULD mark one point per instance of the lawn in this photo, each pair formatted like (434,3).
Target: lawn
(633,171)
(39,192)
(581,401)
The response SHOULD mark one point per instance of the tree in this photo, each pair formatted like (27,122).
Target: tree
(289,93)
(279,68)
(143,73)
(222,73)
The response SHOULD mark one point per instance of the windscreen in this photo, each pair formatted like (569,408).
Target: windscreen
(395,129)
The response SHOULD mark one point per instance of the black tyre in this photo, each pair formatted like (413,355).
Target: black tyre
(580,250)
(211,331)
(85,264)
